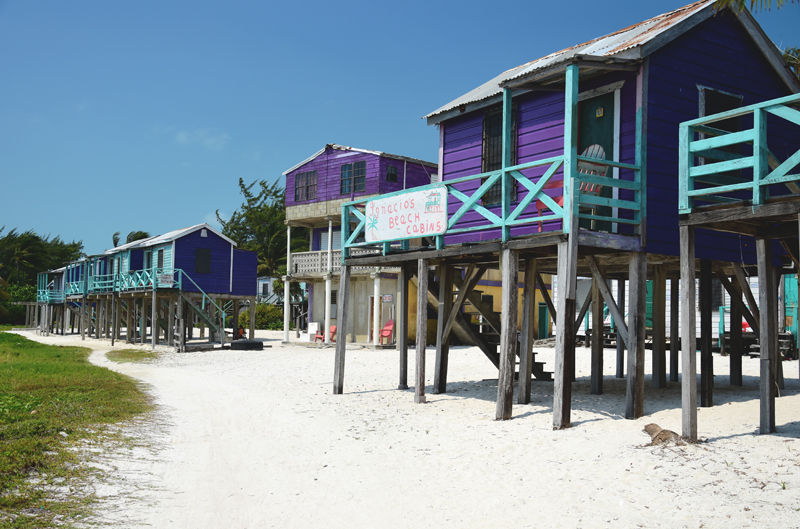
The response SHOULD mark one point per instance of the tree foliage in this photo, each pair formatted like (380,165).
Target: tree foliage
(258,225)
(23,255)
(792,58)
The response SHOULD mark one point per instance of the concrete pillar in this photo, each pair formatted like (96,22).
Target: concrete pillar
(376,309)
(287,302)
(328,285)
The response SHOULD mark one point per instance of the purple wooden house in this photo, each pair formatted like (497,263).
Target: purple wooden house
(316,188)
(570,164)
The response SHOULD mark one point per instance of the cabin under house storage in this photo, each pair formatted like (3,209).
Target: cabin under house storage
(570,165)
(167,284)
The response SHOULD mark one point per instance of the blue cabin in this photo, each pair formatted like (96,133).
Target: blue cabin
(186,277)
(569,165)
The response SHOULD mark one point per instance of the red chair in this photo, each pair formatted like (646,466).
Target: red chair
(321,335)
(386,332)
(587,168)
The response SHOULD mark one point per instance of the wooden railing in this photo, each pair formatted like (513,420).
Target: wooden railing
(718,166)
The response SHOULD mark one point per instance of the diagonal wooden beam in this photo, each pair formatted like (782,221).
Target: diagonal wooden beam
(472,279)
(790,254)
(619,319)
(736,297)
(485,309)
(546,296)
(584,309)
(748,294)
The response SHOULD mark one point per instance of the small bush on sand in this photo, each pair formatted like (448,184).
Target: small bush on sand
(268,318)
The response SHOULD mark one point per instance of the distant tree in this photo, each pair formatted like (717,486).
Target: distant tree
(23,255)
(755,5)
(136,236)
(258,225)
(115,238)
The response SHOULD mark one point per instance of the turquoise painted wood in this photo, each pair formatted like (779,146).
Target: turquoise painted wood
(715,183)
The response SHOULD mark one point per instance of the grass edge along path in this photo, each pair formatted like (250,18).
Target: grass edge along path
(52,402)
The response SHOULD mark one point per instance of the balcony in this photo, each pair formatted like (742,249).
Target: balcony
(310,264)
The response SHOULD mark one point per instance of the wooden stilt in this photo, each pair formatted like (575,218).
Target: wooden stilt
(637,313)
(528,332)
(768,354)
(774,334)
(674,325)
(688,344)
(181,324)
(253,306)
(706,358)
(235,318)
(620,343)
(83,318)
(443,341)
(659,327)
(565,336)
(597,339)
(403,279)
(509,266)
(736,344)
(114,318)
(422,329)
(341,320)
(129,320)
(171,321)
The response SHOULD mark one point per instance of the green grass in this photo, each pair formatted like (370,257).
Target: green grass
(45,393)
(8,327)
(132,355)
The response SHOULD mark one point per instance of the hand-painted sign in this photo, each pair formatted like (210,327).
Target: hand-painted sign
(387,298)
(407,215)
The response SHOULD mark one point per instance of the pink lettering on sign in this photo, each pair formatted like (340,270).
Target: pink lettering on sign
(408,215)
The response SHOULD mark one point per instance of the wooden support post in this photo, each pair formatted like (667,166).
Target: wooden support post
(659,327)
(565,335)
(341,320)
(674,322)
(180,323)
(114,318)
(142,306)
(774,334)
(253,306)
(98,318)
(620,342)
(403,278)
(766,342)
(422,329)
(171,320)
(443,341)
(129,320)
(706,358)
(509,266)
(748,293)
(736,344)
(235,319)
(546,297)
(83,318)
(688,344)
(64,319)
(597,339)
(637,314)
(528,332)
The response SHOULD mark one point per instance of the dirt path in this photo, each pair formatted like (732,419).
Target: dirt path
(255,439)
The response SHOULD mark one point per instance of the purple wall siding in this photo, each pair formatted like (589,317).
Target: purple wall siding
(218,280)
(718,54)
(328,167)
(540,125)
(245,278)
(416,175)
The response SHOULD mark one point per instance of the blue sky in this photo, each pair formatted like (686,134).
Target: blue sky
(120,116)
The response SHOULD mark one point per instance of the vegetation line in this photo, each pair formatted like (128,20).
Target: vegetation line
(52,400)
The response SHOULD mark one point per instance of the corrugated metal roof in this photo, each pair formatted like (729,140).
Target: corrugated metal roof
(167,237)
(624,44)
(353,149)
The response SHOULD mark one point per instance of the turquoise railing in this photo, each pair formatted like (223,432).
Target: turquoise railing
(507,214)
(710,171)
(50,296)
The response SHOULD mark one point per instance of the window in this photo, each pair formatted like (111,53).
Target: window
(354,177)
(391,174)
(161,258)
(347,178)
(305,186)
(265,289)
(492,153)
(334,296)
(202,260)
(148,260)
(714,102)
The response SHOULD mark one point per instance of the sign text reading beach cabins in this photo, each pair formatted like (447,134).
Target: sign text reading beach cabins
(407,215)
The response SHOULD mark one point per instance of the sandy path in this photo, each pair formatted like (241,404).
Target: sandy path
(255,439)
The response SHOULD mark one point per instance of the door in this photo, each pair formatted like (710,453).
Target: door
(544,320)
(596,119)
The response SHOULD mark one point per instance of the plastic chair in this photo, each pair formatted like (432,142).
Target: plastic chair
(386,332)
(320,335)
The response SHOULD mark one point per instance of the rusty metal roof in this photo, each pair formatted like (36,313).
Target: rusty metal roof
(631,43)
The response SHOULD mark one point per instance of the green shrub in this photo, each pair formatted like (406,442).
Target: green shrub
(268,317)
(15,314)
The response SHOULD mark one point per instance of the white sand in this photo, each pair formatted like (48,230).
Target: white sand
(256,439)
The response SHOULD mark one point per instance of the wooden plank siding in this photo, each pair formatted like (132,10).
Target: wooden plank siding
(718,54)
(328,166)
(540,134)
(218,280)
(245,280)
